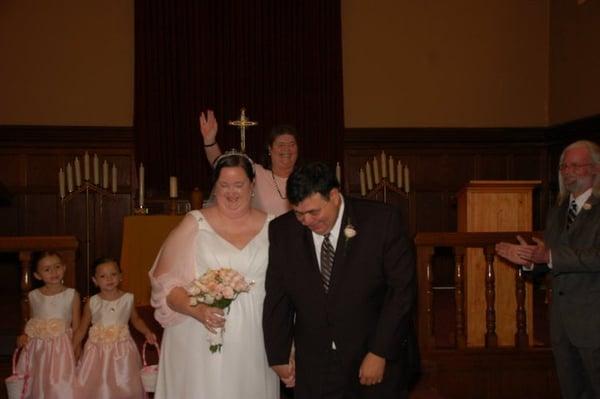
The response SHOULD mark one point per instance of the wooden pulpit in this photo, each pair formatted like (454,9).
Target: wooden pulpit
(495,206)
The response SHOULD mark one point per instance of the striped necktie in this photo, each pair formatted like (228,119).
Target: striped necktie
(326,261)
(572,213)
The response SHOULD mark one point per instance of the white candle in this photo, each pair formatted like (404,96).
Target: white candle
(69,178)
(369,179)
(376,170)
(96,170)
(399,174)
(363,187)
(391,167)
(141,178)
(338,172)
(383,165)
(86,166)
(105,174)
(77,172)
(406,180)
(61,183)
(173,187)
(114,178)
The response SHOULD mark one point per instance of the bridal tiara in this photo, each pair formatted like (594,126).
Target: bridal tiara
(233,153)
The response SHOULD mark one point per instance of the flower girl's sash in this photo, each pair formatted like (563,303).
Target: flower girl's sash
(100,334)
(44,329)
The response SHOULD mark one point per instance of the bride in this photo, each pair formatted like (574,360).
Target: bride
(229,234)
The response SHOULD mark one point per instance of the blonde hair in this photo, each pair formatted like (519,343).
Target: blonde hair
(594,151)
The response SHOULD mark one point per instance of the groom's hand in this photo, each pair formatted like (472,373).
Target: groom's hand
(286,373)
(371,369)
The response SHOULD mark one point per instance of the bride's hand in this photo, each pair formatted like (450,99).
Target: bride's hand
(211,317)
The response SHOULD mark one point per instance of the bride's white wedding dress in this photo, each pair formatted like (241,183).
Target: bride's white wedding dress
(187,368)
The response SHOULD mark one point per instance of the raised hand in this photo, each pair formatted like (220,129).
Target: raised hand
(208,127)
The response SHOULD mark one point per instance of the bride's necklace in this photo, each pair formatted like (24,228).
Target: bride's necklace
(277,186)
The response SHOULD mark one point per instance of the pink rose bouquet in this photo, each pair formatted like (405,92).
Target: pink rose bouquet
(218,288)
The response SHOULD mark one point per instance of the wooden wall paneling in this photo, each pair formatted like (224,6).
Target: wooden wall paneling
(491,166)
(40,214)
(9,171)
(431,210)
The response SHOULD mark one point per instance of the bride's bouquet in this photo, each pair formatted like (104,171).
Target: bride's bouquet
(218,288)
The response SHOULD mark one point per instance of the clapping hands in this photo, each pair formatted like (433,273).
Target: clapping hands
(523,254)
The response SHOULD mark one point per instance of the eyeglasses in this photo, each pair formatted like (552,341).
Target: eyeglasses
(573,166)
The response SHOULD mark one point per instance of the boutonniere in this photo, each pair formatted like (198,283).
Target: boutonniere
(586,206)
(349,231)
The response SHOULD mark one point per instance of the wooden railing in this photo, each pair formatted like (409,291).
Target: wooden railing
(66,246)
(426,244)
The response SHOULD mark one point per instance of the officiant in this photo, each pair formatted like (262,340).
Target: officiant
(270,191)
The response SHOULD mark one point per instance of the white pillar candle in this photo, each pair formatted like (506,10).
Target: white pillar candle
(105,174)
(86,166)
(61,183)
(383,165)
(376,170)
(399,174)
(406,180)
(363,187)
(369,178)
(69,178)
(391,167)
(173,187)
(141,179)
(77,172)
(338,172)
(96,170)
(114,178)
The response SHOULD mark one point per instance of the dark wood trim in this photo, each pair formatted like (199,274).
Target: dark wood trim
(442,137)
(66,136)
(584,128)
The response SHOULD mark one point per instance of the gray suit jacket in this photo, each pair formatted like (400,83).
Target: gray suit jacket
(576,272)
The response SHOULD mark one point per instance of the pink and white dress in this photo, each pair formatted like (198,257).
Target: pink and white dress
(49,361)
(110,365)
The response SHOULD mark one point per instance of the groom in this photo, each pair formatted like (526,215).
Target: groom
(340,286)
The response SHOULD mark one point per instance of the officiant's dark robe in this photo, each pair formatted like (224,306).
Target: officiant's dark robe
(369,306)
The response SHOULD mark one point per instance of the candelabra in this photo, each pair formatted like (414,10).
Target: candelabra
(89,188)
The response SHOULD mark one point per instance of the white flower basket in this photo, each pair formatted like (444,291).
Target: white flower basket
(149,373)
(16,384)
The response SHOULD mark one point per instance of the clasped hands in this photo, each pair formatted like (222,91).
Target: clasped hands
(523,253)
(370,373)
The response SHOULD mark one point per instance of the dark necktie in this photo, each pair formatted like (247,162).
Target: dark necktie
(326,261)
(571,214)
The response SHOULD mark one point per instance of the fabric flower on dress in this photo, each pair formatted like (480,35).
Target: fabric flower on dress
(44,329)
(100,334)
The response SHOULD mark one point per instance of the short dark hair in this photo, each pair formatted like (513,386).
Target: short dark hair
(309,179)
(233,161)
(276,131)
(103,260)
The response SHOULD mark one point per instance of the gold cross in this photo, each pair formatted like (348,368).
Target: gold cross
(242,124)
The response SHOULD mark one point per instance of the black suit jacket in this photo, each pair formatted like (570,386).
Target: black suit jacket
(369,306)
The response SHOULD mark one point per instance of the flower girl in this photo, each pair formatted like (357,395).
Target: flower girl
(110,364)
(54,313)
